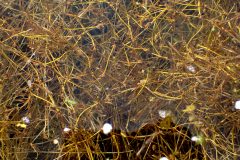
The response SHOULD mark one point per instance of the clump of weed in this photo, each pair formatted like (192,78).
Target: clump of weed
(163,73)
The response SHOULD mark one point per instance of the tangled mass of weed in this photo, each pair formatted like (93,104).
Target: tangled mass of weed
(120,79)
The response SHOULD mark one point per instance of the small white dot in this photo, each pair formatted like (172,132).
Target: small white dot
(26,120)
(55,141)
(107,128)
(163,158)
(191,69)
(162,113)
(195,138)
(237,104)
(29,83)
(66,129)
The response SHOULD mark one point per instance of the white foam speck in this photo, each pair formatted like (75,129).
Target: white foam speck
(163,158)
(107,128)
(237,104)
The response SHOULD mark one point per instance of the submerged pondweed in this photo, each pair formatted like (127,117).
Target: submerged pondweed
(119,79)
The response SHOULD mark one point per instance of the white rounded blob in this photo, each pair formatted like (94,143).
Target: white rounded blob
(26,120)
(107,128)
(162,113)
(191,68)
(55,141)
(29,83)
(163,158)
(137,3)
(66,129)
(237,104)
(195,138)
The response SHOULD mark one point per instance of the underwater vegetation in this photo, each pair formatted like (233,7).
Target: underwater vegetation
(120,79)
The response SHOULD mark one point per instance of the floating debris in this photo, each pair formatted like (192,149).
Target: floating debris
(55,141)
(66,129)
(164,113)
(237,104)
(107,128)
(189,108)
(26,120)
(163,158)
(197,139)
(29,83)
(21,125)
(191,69)
(70,102)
